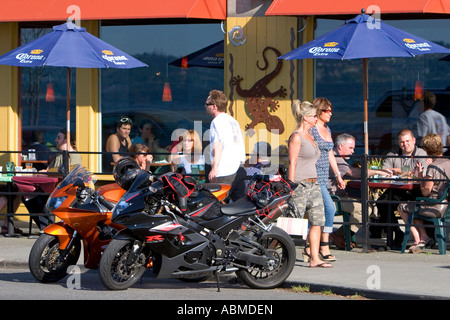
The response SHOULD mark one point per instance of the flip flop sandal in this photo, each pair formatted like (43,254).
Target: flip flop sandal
(322,265)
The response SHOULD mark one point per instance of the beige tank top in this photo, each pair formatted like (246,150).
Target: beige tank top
(306,161)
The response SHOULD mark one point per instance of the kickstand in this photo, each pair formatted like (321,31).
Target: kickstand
(216,274)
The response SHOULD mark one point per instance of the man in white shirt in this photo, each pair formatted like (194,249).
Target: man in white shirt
(227,146)
(431,121)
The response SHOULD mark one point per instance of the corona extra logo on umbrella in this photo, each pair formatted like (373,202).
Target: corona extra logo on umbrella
(327,48)
(118,60)
(34,55)
(411,44)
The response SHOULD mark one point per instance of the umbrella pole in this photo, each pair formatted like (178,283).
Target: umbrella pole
(66,155)
(364,166)
(366,113)
(68,107)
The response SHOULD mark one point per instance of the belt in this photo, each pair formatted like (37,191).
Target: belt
(313,180)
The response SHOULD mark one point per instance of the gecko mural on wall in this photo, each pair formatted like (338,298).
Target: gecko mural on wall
(260,100)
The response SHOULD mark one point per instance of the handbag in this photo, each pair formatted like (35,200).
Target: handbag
(293,226)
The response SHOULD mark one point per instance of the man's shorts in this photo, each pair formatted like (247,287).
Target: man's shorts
(308,198)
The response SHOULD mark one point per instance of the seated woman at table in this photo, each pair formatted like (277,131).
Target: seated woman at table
(438,168)
(189,152)
(4,203)
(141,153)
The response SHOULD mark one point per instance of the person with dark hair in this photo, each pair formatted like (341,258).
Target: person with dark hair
(227,146)
(118,143)
(141,153)
(62,145)
(41,151)
(431,121)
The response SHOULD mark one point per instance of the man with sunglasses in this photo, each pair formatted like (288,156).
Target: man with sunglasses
(227,146)
(119,142)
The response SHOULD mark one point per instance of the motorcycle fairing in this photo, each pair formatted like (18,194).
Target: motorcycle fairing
(61,230)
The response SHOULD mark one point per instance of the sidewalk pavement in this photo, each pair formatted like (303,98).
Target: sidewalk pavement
(376,275)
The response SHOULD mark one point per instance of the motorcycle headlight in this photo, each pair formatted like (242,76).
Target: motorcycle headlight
(54,203)
(121,205)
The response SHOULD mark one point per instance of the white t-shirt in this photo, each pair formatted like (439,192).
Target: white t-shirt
(431,121)
(226,129)
(187,165)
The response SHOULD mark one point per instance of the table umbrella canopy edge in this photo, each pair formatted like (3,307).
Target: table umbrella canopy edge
(364,37)
(69,46)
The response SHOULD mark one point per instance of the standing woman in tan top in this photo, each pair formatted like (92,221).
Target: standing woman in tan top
(303,155)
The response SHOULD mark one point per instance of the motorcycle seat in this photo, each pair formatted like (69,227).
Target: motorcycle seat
(241,206)
(211,187)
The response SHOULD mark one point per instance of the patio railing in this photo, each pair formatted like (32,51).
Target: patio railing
(365,200)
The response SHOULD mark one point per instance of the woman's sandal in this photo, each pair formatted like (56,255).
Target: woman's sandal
(328,257)
(419,247)
(322,265)
(306,255)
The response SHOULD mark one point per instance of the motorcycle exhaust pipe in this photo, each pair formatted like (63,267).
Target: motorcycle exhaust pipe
(275,213)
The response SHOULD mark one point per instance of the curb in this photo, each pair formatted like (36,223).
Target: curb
(13,264)
(366,293)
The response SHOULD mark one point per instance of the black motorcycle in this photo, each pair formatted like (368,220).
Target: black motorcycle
(179,229)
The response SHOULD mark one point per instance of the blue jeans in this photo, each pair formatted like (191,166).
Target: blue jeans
(330,210)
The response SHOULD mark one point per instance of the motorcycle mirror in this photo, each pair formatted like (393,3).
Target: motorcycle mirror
(78,183)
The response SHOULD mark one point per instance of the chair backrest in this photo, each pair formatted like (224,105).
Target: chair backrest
(338,204)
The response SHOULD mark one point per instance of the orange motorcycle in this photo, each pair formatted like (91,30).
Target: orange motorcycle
(85,218)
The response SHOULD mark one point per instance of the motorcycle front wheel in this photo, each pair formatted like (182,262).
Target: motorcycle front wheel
(45,261)
(282,254)
(115,273)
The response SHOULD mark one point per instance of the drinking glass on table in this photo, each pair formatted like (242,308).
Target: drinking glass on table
(405,172)
(10,168)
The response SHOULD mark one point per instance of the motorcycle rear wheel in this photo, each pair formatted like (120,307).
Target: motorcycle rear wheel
(282,249)
(115,274)
(44,263)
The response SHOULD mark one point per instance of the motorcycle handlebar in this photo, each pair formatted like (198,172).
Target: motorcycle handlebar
(102,201)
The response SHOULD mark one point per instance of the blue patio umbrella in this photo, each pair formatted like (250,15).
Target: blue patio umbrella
(211,56)
(69,46)
(364,37)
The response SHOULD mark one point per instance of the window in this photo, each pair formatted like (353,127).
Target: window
(137,93)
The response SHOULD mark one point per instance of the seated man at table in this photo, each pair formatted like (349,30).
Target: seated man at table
(345,146)
(62,145)
(406,157)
